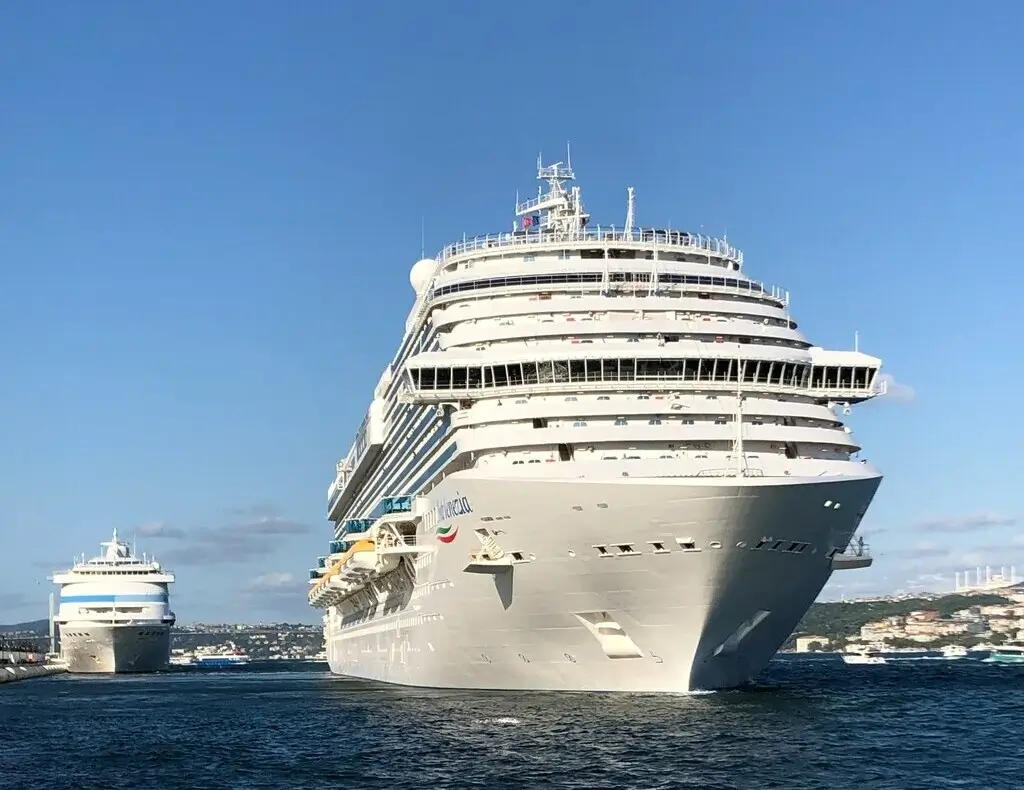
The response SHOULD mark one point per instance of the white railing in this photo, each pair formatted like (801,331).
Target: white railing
(856,550)
(546,199)
(856,555)
(410,393)
(668,239)
(755,289)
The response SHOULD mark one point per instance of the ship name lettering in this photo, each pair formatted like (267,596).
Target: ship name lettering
(459,506)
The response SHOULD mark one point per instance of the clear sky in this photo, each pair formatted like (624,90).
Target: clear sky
(208,212)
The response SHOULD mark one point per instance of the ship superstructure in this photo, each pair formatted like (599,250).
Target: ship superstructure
(114,612)
(603,458)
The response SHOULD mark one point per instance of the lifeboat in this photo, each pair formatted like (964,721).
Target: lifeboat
(352,570)
(360,561)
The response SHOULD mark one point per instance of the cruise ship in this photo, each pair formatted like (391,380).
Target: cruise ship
(114,614)
(603,458)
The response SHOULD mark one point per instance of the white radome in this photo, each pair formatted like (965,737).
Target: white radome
(420,274)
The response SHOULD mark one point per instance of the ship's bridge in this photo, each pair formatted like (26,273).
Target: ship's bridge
(848,376)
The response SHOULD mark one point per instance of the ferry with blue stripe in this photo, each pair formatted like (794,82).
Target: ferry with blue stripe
(114,613)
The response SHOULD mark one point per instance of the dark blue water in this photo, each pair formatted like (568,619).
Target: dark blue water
(819,724)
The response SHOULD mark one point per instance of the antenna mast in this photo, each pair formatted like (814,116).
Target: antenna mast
(559,211)
(630,210)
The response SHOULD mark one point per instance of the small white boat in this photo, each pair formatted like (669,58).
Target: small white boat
(1006,654)
(860,658)
(954,651)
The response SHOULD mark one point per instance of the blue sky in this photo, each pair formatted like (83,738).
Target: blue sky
(208,213)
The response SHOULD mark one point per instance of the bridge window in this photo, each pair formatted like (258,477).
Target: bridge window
(841,377)
(515,374)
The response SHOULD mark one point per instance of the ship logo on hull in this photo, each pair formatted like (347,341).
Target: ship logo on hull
(442,514)
(446,533)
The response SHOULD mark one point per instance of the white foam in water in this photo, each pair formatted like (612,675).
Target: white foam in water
(510,720)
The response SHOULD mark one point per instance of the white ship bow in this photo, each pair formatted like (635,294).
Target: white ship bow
(603,459)
(114,612)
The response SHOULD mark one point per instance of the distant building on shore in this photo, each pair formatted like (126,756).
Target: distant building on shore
(991,581)
(806,644)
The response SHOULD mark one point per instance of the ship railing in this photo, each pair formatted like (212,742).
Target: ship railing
(545,199)
(393,542)
(742,288)
(609,234)
(855,555)
(856,548)
(412,394)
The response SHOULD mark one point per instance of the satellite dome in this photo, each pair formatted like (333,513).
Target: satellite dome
(421,273)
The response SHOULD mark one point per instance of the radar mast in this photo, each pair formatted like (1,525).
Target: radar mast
(559,211)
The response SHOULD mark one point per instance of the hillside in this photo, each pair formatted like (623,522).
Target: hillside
(837,621)
(37,627)
(841,621)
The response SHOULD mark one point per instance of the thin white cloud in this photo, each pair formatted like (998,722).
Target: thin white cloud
(895,390)
(919,550)
(276,590)
(274,580)
(157,529)
(240,540)
(971,522)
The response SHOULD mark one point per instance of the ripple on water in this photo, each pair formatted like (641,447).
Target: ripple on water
(815,724)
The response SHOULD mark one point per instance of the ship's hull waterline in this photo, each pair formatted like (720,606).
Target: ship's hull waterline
(696,585)
(96,648)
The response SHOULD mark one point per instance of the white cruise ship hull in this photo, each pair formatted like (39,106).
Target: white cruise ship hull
(121,648)
(686,594)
